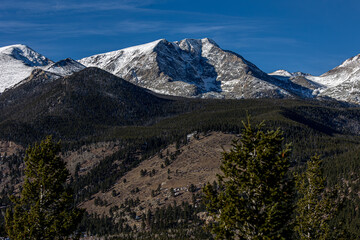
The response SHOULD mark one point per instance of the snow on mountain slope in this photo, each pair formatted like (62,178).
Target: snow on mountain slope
(65,67)
(32,83)
(341,83)
(17,62)
(348,91)
(191,68)
(25,54)
(347,71)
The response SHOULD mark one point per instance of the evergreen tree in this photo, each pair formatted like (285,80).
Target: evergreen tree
(315,208)
(255,197)
(45,207)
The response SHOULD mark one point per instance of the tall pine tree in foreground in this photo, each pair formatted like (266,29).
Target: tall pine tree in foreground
(45,207)
(315,207)
(254,199)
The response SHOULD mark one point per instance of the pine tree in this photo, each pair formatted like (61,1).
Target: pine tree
(45,207)
(316,207)
(255,197)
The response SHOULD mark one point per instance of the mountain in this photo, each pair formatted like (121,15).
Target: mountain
(348,71)
(65,67)
(188,68)
(193,68)
(17,62)
(341,83)
(134,157)
(75,105)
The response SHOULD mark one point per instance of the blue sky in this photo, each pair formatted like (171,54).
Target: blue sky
(309,36)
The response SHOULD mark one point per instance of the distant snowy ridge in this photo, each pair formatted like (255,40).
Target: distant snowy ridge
(188,68)
(341,83)
(17,62)
(26,55)
(284,73)
(281,73)
(349,70)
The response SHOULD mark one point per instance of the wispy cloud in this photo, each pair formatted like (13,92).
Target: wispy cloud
(241,34)
(162,21)
(214,27)
(22,26)
(54,20)
(135,26)
(55,5)
(131,25)
(18,24)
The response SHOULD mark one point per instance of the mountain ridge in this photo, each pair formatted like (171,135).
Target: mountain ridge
(341,83)
(195,68)
(85,101)
(189,68)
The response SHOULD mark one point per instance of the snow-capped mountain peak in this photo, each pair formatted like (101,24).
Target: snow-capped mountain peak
(348,71)
(189,68)
(25,54)
(342,82)
(17,62)
(351,62)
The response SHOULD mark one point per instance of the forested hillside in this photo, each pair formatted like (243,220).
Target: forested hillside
(324,128)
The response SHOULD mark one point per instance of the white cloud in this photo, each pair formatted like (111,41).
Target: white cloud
(230,31)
